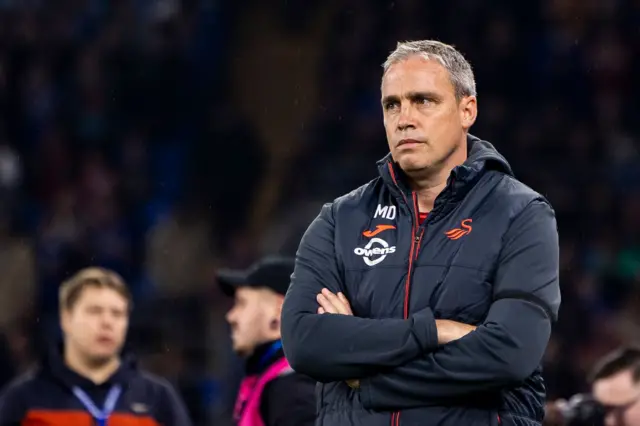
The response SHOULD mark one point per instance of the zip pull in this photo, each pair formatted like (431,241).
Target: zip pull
(416,243)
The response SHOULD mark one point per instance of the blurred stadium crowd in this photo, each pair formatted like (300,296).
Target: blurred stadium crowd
(166,138)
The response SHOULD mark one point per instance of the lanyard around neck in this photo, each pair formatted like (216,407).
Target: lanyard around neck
(99,415)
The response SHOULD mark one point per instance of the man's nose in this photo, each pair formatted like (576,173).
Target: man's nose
(406,119)
(107,321)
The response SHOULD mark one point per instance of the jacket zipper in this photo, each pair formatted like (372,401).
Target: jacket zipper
(416,237)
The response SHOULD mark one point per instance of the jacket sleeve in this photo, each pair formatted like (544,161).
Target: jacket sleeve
(333,347)
(508,346)
(174,412)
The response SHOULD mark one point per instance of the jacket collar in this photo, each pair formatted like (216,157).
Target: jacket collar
(53,365)
(263,356)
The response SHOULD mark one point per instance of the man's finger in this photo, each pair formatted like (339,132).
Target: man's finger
(449,330)
(325,303)
(336,302)
(344,300)
(321,310)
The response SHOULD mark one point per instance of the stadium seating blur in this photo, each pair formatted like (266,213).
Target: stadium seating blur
(167,138)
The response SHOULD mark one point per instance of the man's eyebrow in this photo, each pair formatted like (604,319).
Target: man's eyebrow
(412,95)
(424,94)
(390,98)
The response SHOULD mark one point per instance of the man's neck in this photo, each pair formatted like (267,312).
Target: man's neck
(427,196)
(430,183)
(98,373)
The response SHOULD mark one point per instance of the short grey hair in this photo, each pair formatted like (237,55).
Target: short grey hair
(452,60)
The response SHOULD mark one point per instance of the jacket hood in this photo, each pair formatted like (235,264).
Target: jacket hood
(483,156)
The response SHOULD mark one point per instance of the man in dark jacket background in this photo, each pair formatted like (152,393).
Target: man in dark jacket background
(426,296)
(271,394)
(86,380)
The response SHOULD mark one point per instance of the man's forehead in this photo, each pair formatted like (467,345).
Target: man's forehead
(252,291)
(415,74)
(92,293)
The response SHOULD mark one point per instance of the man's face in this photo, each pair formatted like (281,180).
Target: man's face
(621,396)
(96,325)
(424,122)
(249,318)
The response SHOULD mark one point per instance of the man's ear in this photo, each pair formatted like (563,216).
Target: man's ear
(273,303)
(468,111)
(276,311)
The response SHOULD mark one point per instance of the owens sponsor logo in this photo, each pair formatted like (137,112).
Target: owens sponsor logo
(375,251)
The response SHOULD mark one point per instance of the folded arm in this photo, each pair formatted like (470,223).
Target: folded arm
(508,346)
(339,347)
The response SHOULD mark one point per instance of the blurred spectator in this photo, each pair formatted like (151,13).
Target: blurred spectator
(178,254)
(17,281)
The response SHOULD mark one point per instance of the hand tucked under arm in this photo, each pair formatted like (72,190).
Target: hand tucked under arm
(448,331)
(333,303)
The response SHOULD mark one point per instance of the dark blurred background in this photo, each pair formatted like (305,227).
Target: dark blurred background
(167,138)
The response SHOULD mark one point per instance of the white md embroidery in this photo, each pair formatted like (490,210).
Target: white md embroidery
(386,212)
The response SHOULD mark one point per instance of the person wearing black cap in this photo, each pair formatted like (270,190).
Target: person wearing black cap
(271,394)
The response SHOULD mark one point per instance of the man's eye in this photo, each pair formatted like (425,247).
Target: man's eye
(390,105)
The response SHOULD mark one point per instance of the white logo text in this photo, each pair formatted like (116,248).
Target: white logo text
(372,255)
